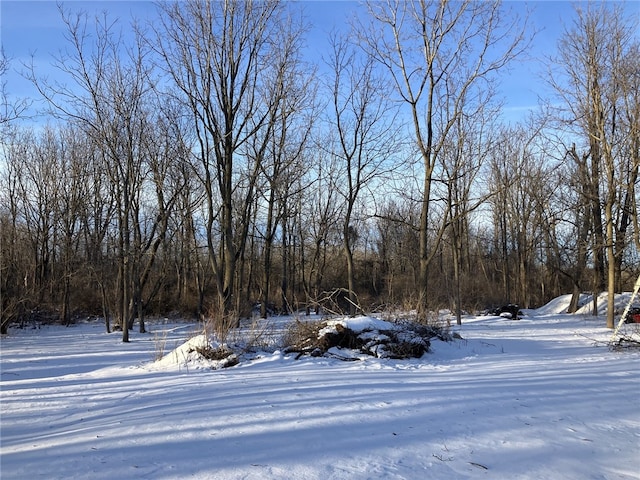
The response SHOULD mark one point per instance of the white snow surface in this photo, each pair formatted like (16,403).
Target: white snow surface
(358,324)
(538,398)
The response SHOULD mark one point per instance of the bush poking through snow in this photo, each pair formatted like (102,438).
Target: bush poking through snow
(302,336)
(160,342)
(365,335)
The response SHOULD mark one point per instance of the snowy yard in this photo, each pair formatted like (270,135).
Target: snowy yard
(537,398)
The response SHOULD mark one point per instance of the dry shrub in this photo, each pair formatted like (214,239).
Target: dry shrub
(159,342)
(303,336)
(435,328)
(256,334)
(218,323)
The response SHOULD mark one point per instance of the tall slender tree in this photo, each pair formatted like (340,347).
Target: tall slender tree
(217,55)
(594,55)
(365,128)
(107,98)
(441,55)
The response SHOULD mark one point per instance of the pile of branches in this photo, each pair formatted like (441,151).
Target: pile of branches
(624,343)
(326,338)
(221,354)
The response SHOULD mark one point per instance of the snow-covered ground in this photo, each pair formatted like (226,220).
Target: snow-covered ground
(537,398)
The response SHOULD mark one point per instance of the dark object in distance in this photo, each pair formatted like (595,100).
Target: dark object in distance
(633,315)
(508,311)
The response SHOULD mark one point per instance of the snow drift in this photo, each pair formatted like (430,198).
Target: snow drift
(543,397)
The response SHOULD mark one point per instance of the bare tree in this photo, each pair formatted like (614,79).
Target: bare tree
(16,287)
(164,152)
(215,54)
(594,56)
(441,56)
(524,186)
(108,99)
(397,242)
(45,208)
(318,225)
(365,130)
(9,109)
(37,177)
(11,294)
(70,152)
(579,173)
(462,159)
(96,228)
(279,150)
(628,140)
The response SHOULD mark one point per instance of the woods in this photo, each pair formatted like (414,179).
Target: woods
(201,165)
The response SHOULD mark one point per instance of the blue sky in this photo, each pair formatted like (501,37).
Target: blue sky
(35,28)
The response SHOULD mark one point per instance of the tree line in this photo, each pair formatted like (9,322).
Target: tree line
(208,168)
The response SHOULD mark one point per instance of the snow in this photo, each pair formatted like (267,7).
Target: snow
(540,397)
(358,324)
(186,355)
